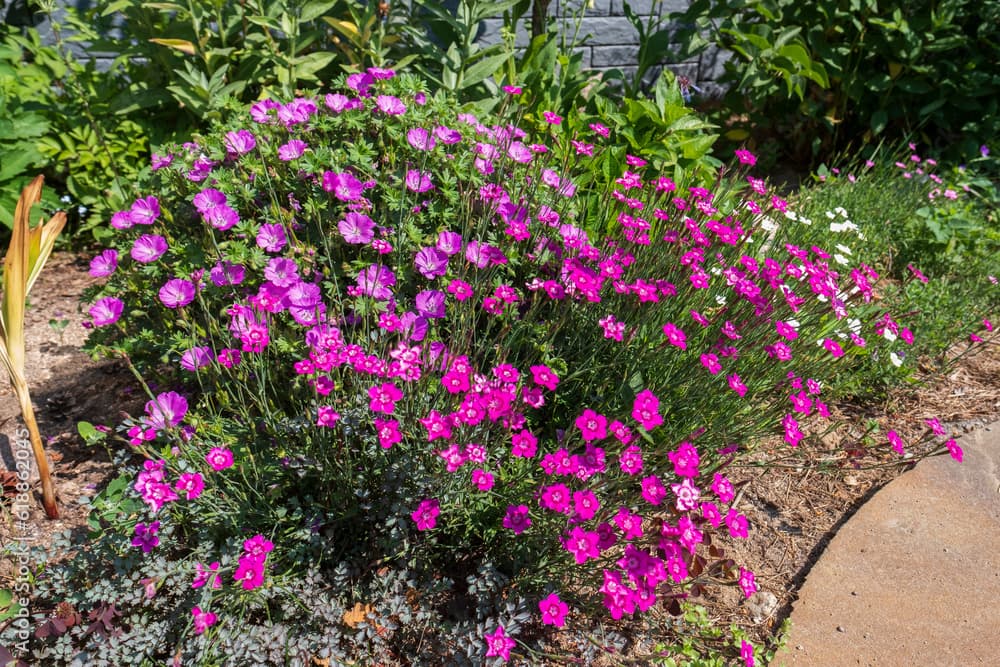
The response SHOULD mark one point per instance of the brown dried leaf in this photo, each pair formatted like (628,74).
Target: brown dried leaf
(358,615)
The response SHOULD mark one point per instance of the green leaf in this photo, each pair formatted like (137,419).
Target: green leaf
(116,6)
(879,120)
(315,9)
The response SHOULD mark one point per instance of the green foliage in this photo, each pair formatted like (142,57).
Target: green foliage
(824,75)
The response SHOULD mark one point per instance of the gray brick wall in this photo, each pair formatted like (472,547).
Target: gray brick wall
(610,41)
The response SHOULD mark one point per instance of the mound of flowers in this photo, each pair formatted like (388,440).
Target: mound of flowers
(382,336)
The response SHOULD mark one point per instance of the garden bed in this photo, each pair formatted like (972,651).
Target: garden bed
(793,513)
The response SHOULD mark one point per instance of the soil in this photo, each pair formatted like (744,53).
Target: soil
(793,512)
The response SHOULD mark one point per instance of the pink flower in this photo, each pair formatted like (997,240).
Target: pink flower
(833,347)
(418,181)
(746,157)
(954,449)
(748,583)
(517,518)
(653,490)
(167,410)
(551,118)
(482,480)
(292,150)
(555,497)
(645,410)
(499,644)
(685,460)
(553,610)
(524,444)
(148,248)
(191,484)
(327,416)
(344,186)
(356,228)
(895,441)
(145,536)
(746,653)
(219,458)
(723,488)
(144,211)
(177,293)
(203,575)
(106,311)
(737,524)
(383,398)
(543,376)
(426,514)
(674,335)
(420,139)
(687,495)
(388,432)
(250,572)
(104,264)
(240,142)
(582,544)
(203,620)
(390,105)
(593,426)
(736,384)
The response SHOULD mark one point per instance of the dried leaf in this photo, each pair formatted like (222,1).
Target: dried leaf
(358,615)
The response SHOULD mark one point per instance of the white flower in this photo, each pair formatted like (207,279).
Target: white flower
(888,335)
(791,215)
(831,215)
(854,325)
(840,259)
(844,249)
(768,224)
(805,221)
(894,358)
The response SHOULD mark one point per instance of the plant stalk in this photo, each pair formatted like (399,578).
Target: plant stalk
(28,412)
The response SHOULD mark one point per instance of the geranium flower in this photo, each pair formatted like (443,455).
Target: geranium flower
(203,620)
(499,644)
(219,458)
(426,514)
(177,293)
(144,211)
(148,248)
(106,310)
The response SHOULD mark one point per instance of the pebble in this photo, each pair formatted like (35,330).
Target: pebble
(840,628)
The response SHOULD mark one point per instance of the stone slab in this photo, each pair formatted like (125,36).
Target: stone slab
(913,578)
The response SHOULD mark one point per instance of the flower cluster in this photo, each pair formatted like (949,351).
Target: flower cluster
(378,303)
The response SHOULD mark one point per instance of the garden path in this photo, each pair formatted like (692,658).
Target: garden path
(913,578)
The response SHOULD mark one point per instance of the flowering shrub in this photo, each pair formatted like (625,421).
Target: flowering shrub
(386,340)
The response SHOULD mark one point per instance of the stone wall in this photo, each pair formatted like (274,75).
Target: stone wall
(610,41)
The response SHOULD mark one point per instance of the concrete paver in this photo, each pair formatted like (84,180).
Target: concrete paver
(913,578)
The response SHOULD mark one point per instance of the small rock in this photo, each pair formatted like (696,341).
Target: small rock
(840,628)
(762,605)
(851,480)
(854,593)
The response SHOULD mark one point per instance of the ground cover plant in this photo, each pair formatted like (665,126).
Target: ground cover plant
(415,393)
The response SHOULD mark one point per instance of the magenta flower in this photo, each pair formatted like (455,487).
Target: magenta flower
(203,620)
(282,272)
(674,335)
(240,142)
(746,653)
(418,181)
(653,490)
(748,583)
(895,441)
(499,644)
(482,480)
(106,310)
(203,575)
(420,139)
(553,610)
(219,458)
(517,518)
(197,357)
(544,376)
(431,263)
(460,289)
(166,411)
(524,444)
(833,347)
(685,460)
(737,524)
(426,514)
(551,118)
(446,135)
(383,398)
(177,293)
(148,248)
(437,425)
(207,200)
(582,544)
(250,572)
(271,237)
(555,497)
(593,426)
(191,485)
(955,450)
(390,105)
(645,410)
(144,211)
(292,150)
(344,186)
(145,536)
(687,495)
(357,228)
(746,157)
(388,432)
(430,303)
(736,384)
(723,488)
(327,416)
(226,273)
